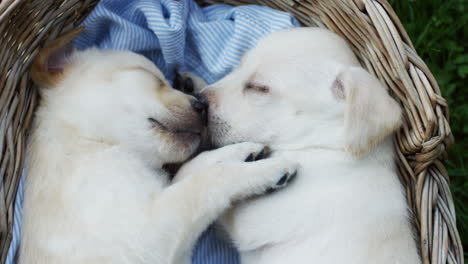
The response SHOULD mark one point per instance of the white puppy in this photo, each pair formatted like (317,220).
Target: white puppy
(95,190)
(303,92)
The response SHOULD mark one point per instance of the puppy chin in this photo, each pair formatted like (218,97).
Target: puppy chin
(218,139)
(218,131)
(183,147)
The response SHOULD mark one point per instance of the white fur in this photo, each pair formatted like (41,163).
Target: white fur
(95,190)
(303,92)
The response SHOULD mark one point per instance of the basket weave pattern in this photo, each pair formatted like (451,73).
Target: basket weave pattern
(371,28)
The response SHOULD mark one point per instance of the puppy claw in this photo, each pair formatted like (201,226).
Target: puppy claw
(250,158)
(263,154)
(283,182)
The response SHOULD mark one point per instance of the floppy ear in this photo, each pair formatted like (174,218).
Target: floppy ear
(371,114)
(49,64)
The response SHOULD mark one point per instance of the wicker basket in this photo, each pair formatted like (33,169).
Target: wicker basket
(375,34)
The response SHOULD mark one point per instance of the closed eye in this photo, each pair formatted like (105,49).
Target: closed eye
(251,86)
(143,69)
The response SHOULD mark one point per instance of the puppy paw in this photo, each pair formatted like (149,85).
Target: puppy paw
(182,84)
(241,170)
(236,153)
(188,83)
(240,152)
(264,176)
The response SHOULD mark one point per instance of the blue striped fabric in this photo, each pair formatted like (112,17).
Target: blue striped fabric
(177,35)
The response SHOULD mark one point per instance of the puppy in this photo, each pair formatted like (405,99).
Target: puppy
(304,93)
(95,191)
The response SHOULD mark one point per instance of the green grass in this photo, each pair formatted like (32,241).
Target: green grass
(438,29)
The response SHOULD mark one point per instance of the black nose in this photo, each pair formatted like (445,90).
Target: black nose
(199,106)
(202,99)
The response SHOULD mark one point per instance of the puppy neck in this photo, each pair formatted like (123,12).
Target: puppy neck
(382,154)
(328,137)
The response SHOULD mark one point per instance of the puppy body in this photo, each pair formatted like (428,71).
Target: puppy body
(303,92)
(95,190)
(327,214)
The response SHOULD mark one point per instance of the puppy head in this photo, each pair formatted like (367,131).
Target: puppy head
(303,88)
(118,98)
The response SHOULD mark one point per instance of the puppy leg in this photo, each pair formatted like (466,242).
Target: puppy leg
(211,183)
(247,150)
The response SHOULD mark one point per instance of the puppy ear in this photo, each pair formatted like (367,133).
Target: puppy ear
(49,64)
(371,114)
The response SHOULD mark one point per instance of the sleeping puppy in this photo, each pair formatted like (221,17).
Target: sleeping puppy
(95,191)
(304,93)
